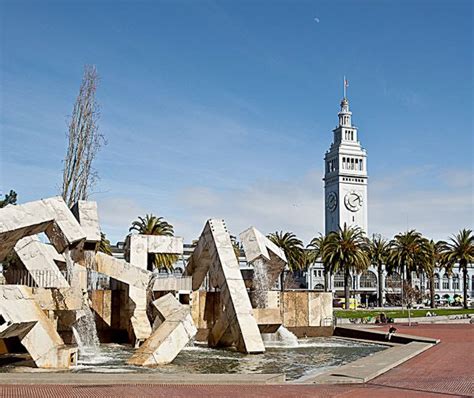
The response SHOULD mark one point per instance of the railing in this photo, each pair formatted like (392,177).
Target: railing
(173,283)
(59,279)
(37,278)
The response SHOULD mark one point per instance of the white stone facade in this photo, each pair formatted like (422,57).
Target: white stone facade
(345,178)
(365,286)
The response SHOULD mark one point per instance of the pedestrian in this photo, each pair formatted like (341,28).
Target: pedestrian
(391,332)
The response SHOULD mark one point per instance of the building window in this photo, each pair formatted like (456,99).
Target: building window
(338,280)
(368,280)
(445,282)
(456,282)
(436,281)
(318,273)
(393,281)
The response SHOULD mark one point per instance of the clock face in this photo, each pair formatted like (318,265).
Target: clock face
(331,201)
(353,201)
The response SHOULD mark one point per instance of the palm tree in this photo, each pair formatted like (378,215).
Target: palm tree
(435,261)
(347,251)
(316,251)
(293,249)
(379,250)
(409,252)
(152,225)
(10,199)
(237,246)
(104,245)
(460,249)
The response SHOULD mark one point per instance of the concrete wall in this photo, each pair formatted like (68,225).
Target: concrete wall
(305,313)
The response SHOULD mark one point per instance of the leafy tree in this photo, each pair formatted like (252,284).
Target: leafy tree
(378,251)
(293,249)
(347,251)
(10,199)
(460,250)
(151,225)
(316,251)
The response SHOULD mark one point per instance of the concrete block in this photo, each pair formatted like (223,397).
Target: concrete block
(58,299)
(43,343)
(172,335)
(214,255)
(268,319)
(258,247)
(165,244)
(86,213)
(38,259)
(50,216)
(138,247)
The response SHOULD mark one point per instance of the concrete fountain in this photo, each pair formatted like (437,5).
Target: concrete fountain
(54,307)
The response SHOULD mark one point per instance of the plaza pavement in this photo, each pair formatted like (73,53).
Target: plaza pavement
(444,370)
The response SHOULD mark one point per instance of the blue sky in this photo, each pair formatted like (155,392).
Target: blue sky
(225,109)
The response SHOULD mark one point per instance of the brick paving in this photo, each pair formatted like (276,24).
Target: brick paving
(444,370)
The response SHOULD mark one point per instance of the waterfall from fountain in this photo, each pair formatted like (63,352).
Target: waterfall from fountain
(84,329)
(260,283)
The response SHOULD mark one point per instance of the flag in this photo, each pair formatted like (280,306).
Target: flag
(346,83)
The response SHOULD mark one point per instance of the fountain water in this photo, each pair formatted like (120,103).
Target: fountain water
(260,283)
(84,329)
(281,338)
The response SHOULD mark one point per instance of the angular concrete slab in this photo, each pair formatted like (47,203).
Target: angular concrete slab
(51,216)
(138,247)
(175,330)
(258,247)
(43,343)
(39,259)
(214,255)
(138,281)
(86,213)
(268,319)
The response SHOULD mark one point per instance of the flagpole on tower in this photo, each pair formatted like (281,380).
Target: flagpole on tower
(344,86)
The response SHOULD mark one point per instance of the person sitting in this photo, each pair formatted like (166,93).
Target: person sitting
(391,332)
(383,318)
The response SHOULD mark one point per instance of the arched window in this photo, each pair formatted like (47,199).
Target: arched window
(393,281)
(436,281)
(368,280)
(445,282)
(456,282)
(338,279)
(319,286)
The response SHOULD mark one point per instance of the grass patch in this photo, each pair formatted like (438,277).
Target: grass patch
(399,313)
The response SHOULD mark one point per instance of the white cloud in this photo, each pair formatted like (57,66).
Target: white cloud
(116,215)
(396,202)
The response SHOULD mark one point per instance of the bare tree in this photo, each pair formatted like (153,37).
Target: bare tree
(84,141)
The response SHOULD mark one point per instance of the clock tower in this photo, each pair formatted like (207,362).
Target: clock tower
(345,178)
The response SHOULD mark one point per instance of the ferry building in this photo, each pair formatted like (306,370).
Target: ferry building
(346,201)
